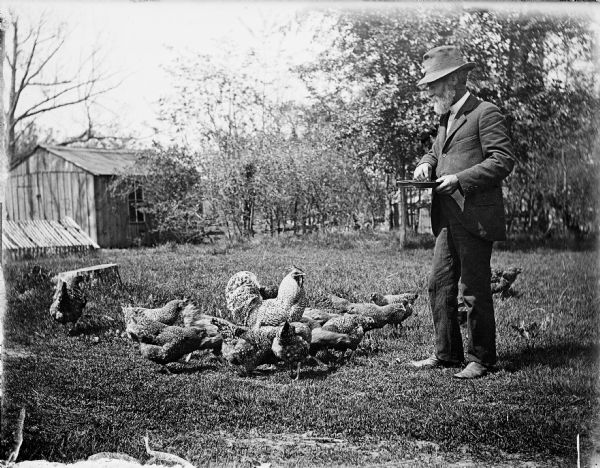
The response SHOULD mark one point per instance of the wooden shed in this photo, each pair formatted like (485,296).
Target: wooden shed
(56,181)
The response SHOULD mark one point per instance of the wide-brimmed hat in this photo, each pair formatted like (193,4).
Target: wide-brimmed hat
(441,61)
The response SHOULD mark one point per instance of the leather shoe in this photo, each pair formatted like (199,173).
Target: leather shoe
(432,362)
(473,370)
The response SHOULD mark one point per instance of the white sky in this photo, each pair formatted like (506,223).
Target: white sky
(142,37)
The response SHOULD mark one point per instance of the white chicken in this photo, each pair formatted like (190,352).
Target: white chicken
(288,306)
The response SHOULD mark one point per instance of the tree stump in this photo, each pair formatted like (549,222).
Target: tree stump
(105,273)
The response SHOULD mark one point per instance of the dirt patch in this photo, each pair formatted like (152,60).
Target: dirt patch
(371,453)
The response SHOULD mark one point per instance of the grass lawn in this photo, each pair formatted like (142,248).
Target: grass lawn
(85,395)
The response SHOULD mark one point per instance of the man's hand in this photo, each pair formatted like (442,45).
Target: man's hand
(422,172)
(449,184)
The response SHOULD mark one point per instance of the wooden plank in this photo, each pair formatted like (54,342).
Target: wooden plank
(92,208)
(78,201)
(14,232)
(78,233)
(32,234)
(64,195)
(61,243)
(52,201)
(35,235)
(68,178)
(7,243)
(22,194)
(66,238)
(20,206)
(101,208)
(33,230)
(53,237)
(57,190)
(29,198)
(59,193)
(35,191)
(45,209)
(47,196)
(76,239)
(15,235)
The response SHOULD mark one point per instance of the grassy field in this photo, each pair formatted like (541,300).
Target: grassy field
(86,395)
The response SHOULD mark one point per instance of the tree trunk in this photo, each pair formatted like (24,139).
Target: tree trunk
(10,114)
(2,114)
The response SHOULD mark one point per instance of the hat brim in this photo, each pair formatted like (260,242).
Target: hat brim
(431,77)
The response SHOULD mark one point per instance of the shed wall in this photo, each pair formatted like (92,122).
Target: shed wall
(114,228)
(47,187)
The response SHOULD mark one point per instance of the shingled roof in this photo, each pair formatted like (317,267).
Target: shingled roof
(99,161)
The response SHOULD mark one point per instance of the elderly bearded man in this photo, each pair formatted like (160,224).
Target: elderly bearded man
(469,158)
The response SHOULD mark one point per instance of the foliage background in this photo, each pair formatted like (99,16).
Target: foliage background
(268,164)
(258,158)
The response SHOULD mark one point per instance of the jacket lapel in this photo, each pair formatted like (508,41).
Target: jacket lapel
(461,116)
(443,125)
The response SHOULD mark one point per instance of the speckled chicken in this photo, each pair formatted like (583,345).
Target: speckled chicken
(319,315)
(192,316)
(322,339)
(502,280)
(288,306)
(69,299)
(386,299)
(292,344)
(242,295)
(168,314)
(352,325)
(252,349)
(339,303)
(168,343)
(392,314)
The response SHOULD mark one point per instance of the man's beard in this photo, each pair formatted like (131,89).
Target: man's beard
(442,104)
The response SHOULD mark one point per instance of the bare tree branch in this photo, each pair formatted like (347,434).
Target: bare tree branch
(65,104)
(25,129)
(52,97)
(56,83)
(30,58)
(33,53)
(43,64)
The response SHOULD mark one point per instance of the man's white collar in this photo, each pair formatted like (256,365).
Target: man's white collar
(454,108)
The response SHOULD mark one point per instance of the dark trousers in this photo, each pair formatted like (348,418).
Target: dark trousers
(465,257)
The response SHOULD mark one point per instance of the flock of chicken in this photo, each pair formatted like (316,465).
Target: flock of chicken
(269,324)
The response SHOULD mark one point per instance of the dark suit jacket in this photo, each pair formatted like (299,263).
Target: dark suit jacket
(477,150)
